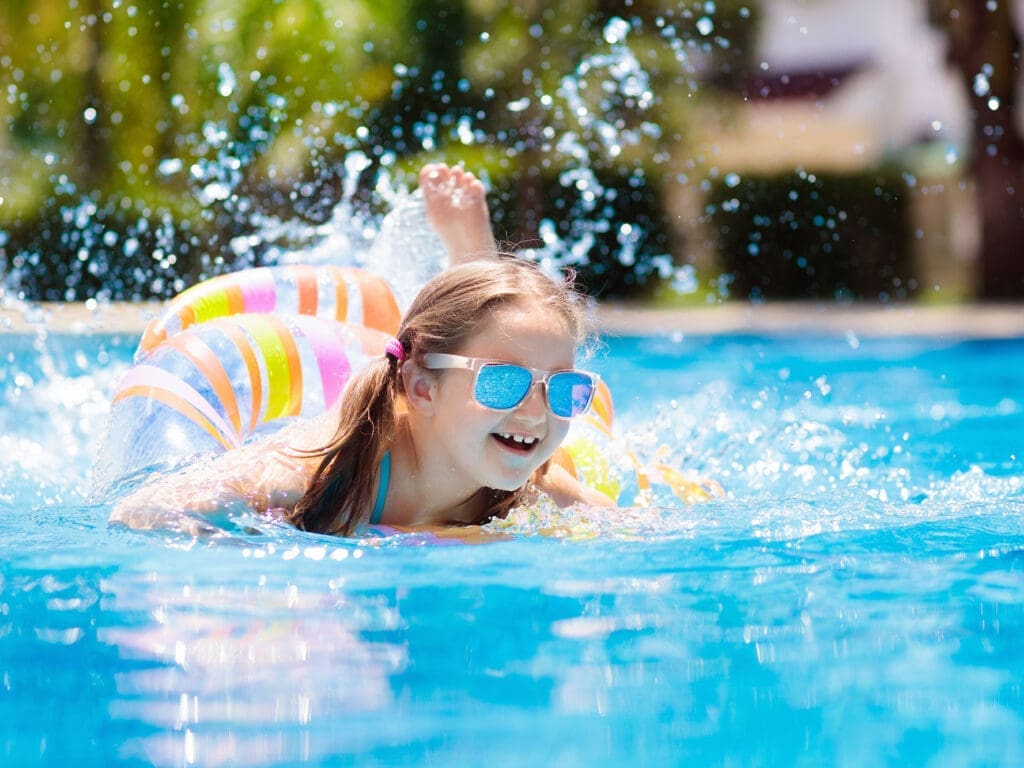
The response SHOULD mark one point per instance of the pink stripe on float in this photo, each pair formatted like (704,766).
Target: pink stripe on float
(329,349)
(143,376)
(259,289)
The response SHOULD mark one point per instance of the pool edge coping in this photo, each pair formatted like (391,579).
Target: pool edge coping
(1004,320)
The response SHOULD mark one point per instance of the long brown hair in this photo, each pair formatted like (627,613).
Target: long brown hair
(442,318)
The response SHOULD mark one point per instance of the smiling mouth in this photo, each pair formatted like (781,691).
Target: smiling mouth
(516,443)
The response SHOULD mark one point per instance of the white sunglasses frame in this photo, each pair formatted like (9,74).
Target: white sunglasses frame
(445,361)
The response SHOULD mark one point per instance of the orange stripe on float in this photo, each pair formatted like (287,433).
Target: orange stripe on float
(380,310)
(210,366)
(306,288)
(154,335)
(186,316)
(156,332)
(177,403)
(236,299)
(643,482)
(602,405)
(252,366)
(291,351)
(337,276)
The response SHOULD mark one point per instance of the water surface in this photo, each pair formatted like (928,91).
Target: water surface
(855,599)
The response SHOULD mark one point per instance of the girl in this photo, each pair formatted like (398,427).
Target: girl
(454,425)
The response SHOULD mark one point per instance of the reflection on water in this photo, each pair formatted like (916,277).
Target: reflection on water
(214,664)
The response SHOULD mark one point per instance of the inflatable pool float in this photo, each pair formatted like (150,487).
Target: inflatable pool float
(234,357)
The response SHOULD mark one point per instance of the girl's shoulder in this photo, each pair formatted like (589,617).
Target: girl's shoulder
(283,461)
(306,435)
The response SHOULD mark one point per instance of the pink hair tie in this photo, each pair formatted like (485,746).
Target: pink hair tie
(395,349)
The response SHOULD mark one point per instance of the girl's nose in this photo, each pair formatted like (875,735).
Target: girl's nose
(534,407)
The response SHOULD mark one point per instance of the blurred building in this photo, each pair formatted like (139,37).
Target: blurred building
(850,84)
(843,83)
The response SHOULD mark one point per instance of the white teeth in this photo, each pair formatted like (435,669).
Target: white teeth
(519,438)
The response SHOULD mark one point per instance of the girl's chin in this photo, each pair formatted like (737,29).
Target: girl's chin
(506,483)
(510,481)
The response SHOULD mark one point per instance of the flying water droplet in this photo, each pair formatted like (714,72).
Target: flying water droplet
(615,31)
(981,84)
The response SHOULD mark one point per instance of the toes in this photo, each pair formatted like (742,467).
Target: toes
(465,180)
(440,178)
(434,174)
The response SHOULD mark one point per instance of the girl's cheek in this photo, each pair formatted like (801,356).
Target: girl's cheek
(559,431)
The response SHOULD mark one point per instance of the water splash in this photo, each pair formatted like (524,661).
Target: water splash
(232,207)
(54,400)
(601,110)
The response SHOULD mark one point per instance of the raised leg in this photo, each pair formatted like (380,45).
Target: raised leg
(456,203)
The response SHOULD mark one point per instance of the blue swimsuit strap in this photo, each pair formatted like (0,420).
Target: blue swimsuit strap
(382,488)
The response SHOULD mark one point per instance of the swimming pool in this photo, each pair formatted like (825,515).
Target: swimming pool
(858,599)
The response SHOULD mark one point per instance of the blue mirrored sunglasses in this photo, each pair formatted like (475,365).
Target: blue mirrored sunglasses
(502,386)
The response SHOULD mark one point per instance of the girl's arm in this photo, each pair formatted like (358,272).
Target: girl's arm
(263,476)
(566,490)
(260,477)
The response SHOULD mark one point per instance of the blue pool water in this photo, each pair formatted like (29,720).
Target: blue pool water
(856,599)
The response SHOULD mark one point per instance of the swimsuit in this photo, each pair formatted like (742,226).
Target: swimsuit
(382,488)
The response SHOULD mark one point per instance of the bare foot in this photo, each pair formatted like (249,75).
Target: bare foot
(456,204)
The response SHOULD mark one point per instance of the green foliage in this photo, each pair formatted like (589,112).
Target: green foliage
(191,117)
(619,242)
(133,110)
(111,247)
(799,235)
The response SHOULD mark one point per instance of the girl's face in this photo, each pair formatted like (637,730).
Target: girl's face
(502,449)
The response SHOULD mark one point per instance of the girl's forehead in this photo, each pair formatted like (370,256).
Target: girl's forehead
(520,318)
(538,336)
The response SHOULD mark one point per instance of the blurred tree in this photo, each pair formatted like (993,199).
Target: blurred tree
(120,118)
(594,98)
(985,50)
(141,139)
(618,78)
(428,94)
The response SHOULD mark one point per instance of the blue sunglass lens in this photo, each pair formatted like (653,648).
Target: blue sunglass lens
(502,386)
(570,393)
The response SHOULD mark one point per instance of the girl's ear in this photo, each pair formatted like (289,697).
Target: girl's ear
(420,387)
